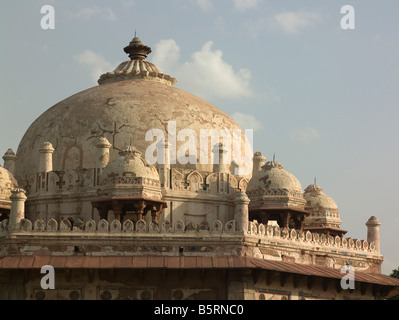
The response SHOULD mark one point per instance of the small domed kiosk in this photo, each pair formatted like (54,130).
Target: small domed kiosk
(276,194)
(129,184)
(7,184)
(324,214)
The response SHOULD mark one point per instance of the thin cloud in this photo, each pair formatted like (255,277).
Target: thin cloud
(305,135)
(246,121)
(128,3)
(245,4)
(293,22)
(207,74)
(258,26)
(204,4)
(95,63)
(95,12)
(166,55)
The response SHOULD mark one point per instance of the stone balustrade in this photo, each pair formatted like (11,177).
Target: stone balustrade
(310,239)
(264,232)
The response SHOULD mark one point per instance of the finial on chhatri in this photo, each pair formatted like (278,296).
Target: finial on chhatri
(130,151)
(273,164)
(136,49)
(314,188)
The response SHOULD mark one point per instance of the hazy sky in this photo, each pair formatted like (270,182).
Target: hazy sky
(324,99)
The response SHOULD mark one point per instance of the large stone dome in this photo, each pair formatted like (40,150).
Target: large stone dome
(130,102)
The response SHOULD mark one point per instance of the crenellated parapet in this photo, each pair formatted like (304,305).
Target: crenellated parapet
(309,239)
(116,227)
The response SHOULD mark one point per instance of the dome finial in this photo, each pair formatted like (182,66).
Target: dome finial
(130,151)
(136,49)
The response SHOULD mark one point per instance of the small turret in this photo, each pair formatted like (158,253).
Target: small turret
(241,215)
(373,232)
(46,157)
(258,161)
(9,160)
(17,213)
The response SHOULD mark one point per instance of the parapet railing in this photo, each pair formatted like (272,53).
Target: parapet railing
(267,232)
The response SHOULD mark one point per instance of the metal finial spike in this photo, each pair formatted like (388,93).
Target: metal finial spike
(315,180)
(135,34)
(274,157)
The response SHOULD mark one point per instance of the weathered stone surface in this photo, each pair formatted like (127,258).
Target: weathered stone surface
(122,112)
(175,231)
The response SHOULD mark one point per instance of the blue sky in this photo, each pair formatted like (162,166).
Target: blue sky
(322,98)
